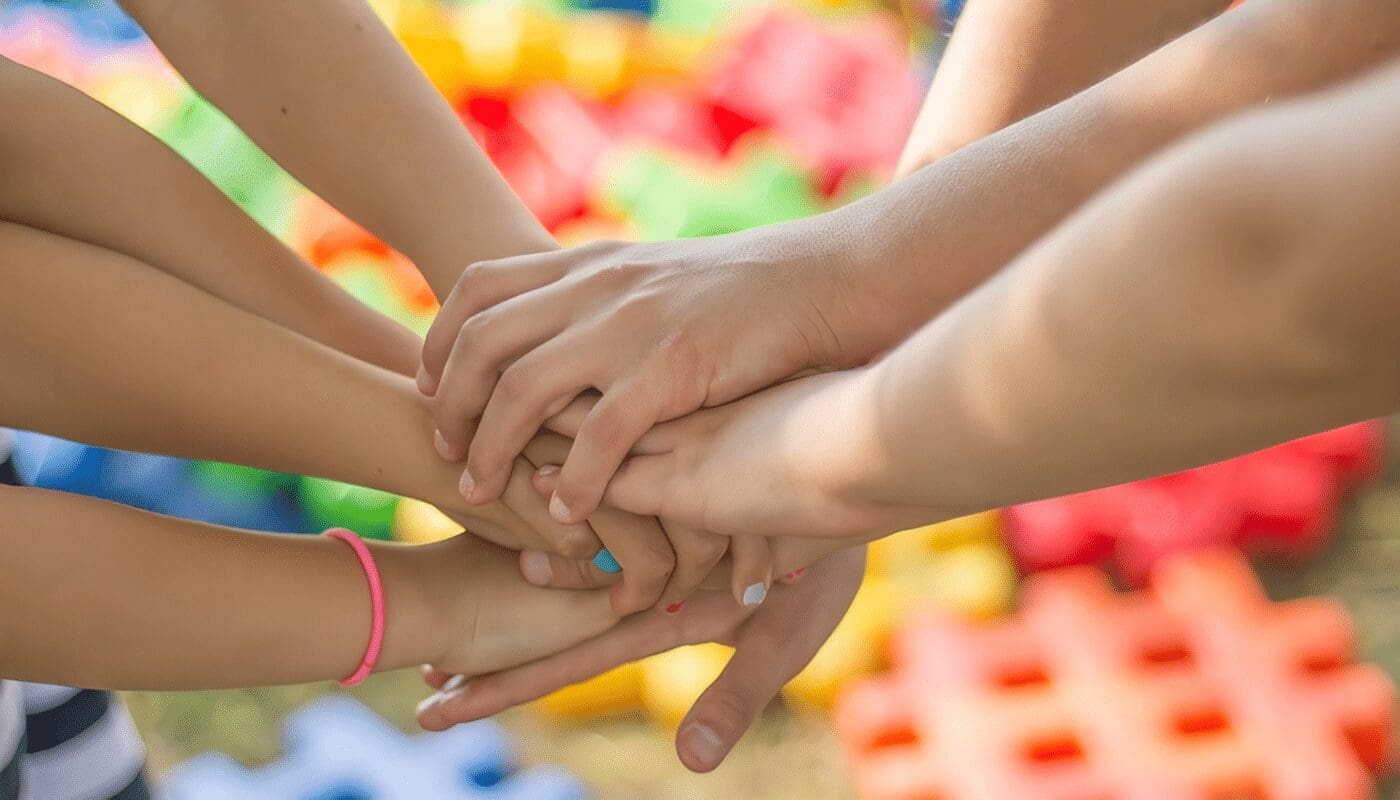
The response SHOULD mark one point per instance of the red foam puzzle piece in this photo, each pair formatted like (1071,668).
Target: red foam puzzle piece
(1283,500)
(1201,689)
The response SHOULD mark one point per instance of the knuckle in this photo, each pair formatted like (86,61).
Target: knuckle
(576,544)
(516,381)
(727,710)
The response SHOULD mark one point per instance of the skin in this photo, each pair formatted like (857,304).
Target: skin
(426,189)
(1116,349)
(254,594)
(663,329)
(1028,178)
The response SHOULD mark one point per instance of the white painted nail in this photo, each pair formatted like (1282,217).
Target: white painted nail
(754,594)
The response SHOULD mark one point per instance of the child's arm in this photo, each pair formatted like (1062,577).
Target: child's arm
(1235,292)
(325,89)
(79,170)
(102,348)
(97,594)
(664,328)
(1013,58)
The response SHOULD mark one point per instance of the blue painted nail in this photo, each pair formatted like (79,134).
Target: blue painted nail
(605,561)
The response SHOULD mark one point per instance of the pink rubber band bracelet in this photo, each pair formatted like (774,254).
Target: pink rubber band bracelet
(376,604)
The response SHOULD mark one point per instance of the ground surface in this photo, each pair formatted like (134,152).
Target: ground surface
(789,756)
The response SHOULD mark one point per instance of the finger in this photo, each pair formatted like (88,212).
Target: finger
(530,391)
(697,554)
(773,646)
(568,421)
(557,572)
(752,570)
(542,532)
(485,345)
(482,285)
(434,677)
(640,483)
(604,439)
(637,544)
(708,617)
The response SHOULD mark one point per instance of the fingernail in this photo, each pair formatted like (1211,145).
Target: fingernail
(440,442)
(559,511)
(675,607)
(429,702)
(426,384)
(794,575)
(605,561)
(453,684)
(754,594)
(704,745)
(534,565)
(548,471)
(467,485)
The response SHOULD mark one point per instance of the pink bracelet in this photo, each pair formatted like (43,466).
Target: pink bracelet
(376,604)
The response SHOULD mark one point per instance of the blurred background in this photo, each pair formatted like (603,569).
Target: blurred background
(675,118)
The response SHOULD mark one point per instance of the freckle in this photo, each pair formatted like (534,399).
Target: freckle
(284,109)
(359,27)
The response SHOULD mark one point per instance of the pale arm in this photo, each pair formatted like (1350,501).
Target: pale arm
(1009,59)
(325,89)
(77,169)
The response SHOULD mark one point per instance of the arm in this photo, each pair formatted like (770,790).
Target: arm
(97,594)
(1010,59)
(75,168)
(325,89)
(101,348)
(665,328)
(1235,292)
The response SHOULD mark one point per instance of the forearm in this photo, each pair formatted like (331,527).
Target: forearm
(1012,58)
(949,226)
(1236,292)
(325,89)
(215,607)
(79,170)
(104,349)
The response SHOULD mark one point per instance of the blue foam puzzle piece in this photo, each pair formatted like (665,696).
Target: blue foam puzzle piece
(336,749)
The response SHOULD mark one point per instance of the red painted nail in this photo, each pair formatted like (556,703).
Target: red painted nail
(674,607)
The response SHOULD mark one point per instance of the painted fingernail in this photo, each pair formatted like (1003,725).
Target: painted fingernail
(430,701)
(426,384)
(675,607)
(754,594)
(794,575)
(534,565)
(605,561)
(559,511)
(467,485)
(443,448)
(704,745)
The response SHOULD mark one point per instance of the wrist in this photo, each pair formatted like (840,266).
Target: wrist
(420,601)
(870,293)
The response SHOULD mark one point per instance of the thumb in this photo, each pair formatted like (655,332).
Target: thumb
(722,715)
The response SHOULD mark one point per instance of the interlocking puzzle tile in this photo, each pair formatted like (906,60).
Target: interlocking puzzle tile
(1283,500)
(340,750)
(843,97)
(1201,689)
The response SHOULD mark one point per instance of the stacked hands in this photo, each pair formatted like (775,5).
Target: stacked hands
(620,384)
(1082,287)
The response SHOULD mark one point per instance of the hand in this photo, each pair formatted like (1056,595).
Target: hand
(771,645)
(661,329)
(520,521)
(796,460)
(490,617)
